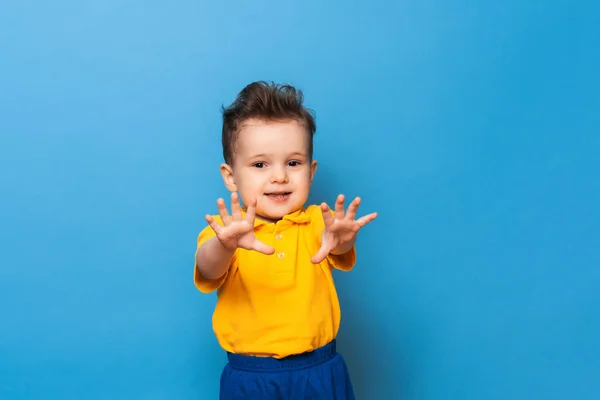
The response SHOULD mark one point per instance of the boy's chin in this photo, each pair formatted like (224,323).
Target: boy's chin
(271,217)
(275,215)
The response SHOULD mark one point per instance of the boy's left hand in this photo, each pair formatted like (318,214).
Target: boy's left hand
(340,230)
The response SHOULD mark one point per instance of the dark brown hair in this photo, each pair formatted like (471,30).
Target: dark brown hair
(268,101)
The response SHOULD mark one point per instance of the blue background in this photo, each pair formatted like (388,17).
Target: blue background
(473,128)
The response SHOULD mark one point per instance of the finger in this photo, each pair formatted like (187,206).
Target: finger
(262,248)
(236,211)
(251,212)
(320,256)
(352,208)
(327,217)
(213,224)
(366,219)
(339,207)
(223,211)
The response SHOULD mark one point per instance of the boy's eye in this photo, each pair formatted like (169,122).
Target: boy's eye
(294,163)
(258,165)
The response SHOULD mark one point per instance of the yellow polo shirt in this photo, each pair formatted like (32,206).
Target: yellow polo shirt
(280,304)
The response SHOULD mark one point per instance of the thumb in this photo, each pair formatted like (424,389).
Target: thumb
(321,254)
(262,248)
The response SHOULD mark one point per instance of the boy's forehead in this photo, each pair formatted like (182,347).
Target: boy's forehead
(274,134)
(266,125)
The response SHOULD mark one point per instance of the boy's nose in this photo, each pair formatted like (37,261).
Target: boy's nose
(279,176)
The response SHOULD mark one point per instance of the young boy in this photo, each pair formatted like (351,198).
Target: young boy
(277,313)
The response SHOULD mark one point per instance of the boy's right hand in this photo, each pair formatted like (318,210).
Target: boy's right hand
(237,232)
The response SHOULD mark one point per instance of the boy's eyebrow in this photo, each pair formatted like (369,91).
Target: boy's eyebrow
(261,155)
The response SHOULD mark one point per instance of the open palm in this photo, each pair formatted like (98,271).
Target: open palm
(340,229)
(237,232)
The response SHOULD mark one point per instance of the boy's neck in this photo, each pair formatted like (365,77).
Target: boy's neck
(270,220)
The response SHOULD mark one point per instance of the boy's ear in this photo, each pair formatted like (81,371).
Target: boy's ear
(313,169)
(227,174)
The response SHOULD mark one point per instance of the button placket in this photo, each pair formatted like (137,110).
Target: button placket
(284,269)
(278,237)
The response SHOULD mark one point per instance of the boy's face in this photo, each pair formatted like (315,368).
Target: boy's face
(271,163)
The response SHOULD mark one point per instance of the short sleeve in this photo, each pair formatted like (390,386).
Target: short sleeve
(344,262)
(203,284)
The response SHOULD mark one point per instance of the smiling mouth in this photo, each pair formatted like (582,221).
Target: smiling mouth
(278,196)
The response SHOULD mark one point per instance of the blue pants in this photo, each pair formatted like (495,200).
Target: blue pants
(320,374)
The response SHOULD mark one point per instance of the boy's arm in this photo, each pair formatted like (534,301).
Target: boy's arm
(213,259)
(218,242)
